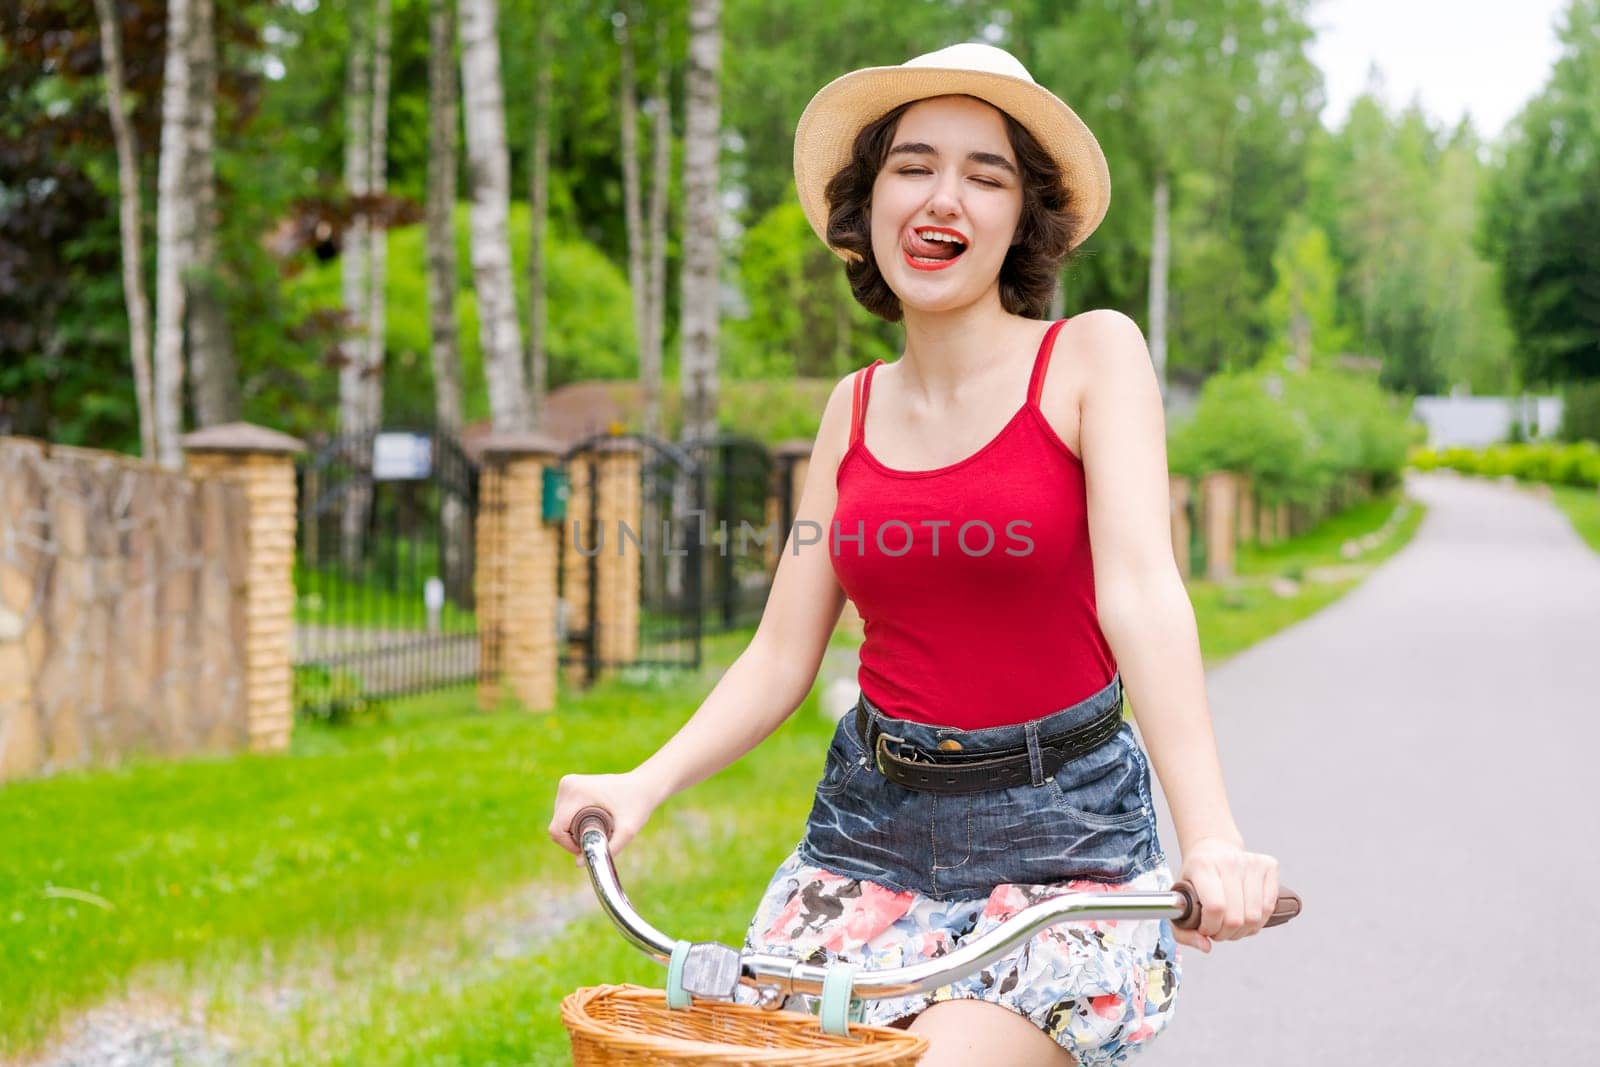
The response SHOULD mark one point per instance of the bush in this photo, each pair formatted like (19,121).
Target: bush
(1556,464)
(1294,435)
(1580,412)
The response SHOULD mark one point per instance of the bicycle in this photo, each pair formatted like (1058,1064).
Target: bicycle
(695,1020)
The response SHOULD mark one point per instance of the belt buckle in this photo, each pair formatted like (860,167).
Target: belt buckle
(878,749)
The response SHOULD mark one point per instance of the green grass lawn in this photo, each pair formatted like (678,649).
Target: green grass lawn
(1582,508)
(376,894)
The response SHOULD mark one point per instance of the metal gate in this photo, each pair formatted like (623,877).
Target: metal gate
(383,571)
(631,601)
(738,473)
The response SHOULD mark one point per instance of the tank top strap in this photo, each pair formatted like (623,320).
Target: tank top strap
(858,400)
(1042,361)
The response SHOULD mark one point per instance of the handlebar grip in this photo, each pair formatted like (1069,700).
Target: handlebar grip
(595,813)
(1288,907)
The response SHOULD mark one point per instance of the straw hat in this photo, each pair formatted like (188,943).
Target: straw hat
(828,127)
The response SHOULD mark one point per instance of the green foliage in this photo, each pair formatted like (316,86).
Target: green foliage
(590,315)
(1575,464)
(1294,435)
(1580,412)
(802,319)
(1542,214)
(1302,310)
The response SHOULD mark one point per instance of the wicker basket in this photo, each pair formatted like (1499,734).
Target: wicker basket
(630,1024)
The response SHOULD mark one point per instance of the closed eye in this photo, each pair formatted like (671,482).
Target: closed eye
(981,180)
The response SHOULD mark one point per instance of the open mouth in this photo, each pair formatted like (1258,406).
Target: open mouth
(933,247)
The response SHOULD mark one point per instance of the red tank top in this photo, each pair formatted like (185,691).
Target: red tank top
(974,580)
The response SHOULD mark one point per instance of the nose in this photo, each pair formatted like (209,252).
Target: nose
(944,201)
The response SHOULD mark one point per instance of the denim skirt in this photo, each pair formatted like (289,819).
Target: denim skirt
(884,876)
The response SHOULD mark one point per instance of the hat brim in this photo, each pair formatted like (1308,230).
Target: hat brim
(828,127)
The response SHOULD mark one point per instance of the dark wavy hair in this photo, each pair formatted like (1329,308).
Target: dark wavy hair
(1046,228)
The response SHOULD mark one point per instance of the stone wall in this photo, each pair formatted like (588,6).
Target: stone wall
(122,620)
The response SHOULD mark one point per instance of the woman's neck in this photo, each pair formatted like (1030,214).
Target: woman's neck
(948,354)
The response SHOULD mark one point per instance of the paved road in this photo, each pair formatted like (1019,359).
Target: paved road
(1424,760)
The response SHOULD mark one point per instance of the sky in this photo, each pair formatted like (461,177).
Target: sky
(1485,58)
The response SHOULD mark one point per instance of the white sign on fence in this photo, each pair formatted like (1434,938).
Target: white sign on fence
(401,456)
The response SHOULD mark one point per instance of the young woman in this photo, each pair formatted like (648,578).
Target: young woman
(955,496)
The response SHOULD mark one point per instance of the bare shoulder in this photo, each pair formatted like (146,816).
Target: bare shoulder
(1106,335)
(1097,353)
(1111,351)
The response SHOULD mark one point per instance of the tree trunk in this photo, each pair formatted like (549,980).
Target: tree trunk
(357,247)
(442,117)
(174,222)
(489,172)
(698,362)
(441,239)
(1159,258)
(213,369)
(539,211)
(129,212)
(661,157)
(354,423)
(632,210)
(377,147)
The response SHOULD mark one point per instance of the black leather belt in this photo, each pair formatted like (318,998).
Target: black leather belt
(973,772)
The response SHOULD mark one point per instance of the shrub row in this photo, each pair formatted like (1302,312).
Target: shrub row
(1296,436)
(1559,464)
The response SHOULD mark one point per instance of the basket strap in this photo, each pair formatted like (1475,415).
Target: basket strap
(838,1007)
(677,996)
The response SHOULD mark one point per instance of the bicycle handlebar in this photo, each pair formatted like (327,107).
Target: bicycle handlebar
(713,970)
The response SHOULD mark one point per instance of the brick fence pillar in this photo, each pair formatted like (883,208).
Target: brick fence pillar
(617,585)
(261,462)
(1219,494)
(515,584)
(1178,499)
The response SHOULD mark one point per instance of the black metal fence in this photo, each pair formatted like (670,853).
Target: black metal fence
(384,570)
(710,527)
(666,583)
(738,475)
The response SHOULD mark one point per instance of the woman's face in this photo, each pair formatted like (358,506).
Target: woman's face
(950,167)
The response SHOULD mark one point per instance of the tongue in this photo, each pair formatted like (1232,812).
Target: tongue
(932,249)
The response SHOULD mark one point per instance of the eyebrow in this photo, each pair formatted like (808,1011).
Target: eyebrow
(918,148)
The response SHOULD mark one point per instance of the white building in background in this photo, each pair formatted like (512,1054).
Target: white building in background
(1473,421)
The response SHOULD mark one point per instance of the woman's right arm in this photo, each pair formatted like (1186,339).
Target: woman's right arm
(768,681)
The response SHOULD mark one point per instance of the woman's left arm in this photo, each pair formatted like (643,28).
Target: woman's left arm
(1148,620)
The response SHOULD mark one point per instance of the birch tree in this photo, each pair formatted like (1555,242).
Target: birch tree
(213,370)
(377,147)
(364,256)
(539,212)
(650,346)
(632,209)
(444,346)
(488,169)
(353,257)
(698,362)
(129,213)
(174,223)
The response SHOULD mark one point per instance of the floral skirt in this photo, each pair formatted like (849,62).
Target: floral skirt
(1101,989)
